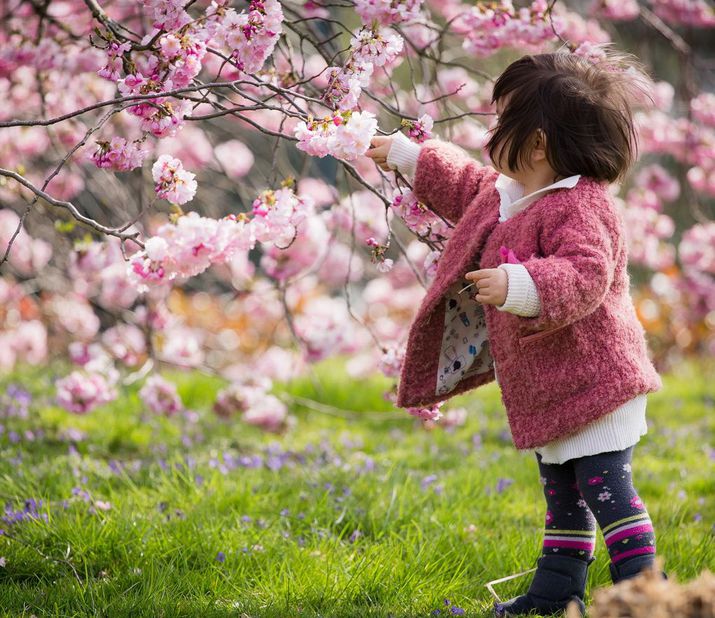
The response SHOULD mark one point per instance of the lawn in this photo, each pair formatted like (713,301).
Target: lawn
(356,511)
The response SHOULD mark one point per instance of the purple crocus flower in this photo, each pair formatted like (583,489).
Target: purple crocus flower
(502,484)
(221,557)
(427,481)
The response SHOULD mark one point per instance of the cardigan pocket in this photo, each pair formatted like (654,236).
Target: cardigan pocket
(527,339)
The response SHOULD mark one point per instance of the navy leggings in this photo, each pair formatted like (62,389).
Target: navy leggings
(594,489)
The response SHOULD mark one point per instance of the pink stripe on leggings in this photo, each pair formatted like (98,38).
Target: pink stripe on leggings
(633,552)
(629,532)
(575,544)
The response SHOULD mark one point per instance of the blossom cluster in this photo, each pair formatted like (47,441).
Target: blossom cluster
(322,328)
(98,269)
(616,10)
(249,36)
(489,27)
(369,47)
(176,62)
(119,154)
(249,398)
(697,247)
(277,214)
(188,247)
(27,255)
(160,396)
(23,337)
(391,361)
(647,231)
(388,12)
(167,14)
(427,414)
(162,117)
(343,134)
(418,218)
(172,181)
(698,13)
(702,178)
(703,109)
(420,129)
(114,67)
(80,392)
(382,263)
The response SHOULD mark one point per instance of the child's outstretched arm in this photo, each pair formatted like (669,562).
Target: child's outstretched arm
(582,243)
(446,178)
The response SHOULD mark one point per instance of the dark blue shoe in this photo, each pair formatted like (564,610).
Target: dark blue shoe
(631,568)
(558,581)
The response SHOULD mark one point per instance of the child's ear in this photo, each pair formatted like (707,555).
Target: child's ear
(538,152)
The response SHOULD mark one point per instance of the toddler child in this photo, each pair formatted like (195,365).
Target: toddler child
(553,308)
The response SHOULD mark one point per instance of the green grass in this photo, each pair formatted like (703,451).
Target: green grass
(364,535)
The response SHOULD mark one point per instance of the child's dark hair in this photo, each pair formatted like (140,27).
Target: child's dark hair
(582,107)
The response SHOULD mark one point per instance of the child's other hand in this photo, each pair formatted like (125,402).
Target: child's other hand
(379,148)
(493,284)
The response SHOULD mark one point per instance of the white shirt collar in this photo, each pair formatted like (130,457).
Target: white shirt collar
(512,195)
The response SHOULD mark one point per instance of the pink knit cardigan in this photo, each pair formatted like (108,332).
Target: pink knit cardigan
(586,352)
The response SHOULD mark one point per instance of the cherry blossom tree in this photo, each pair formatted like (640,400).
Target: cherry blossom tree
(183,181)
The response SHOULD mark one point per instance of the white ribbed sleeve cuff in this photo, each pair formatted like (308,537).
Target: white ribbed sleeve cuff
(403,154)
(522,297)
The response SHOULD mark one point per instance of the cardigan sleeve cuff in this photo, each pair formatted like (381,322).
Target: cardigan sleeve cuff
(522,296)
(403,154)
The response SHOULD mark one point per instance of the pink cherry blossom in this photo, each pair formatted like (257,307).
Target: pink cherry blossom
(250,36)
(119,154)
(388,12)
(616,10)
(81,392)
(420,129)
(427,414)
(378,47)
(167,14)
(160,396)
(277,215)
(344,135)
(489,27)
(235,158)
(113,69)
(267,412)
(697,247)
(703,108)
(173,182)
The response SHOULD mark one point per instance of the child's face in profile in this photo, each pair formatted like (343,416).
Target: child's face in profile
(535,160)
(505,147)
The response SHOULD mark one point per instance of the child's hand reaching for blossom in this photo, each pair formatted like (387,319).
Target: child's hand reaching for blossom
(491,283)
(379,149)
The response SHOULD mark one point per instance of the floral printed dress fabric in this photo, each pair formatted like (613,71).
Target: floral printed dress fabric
(465,346)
